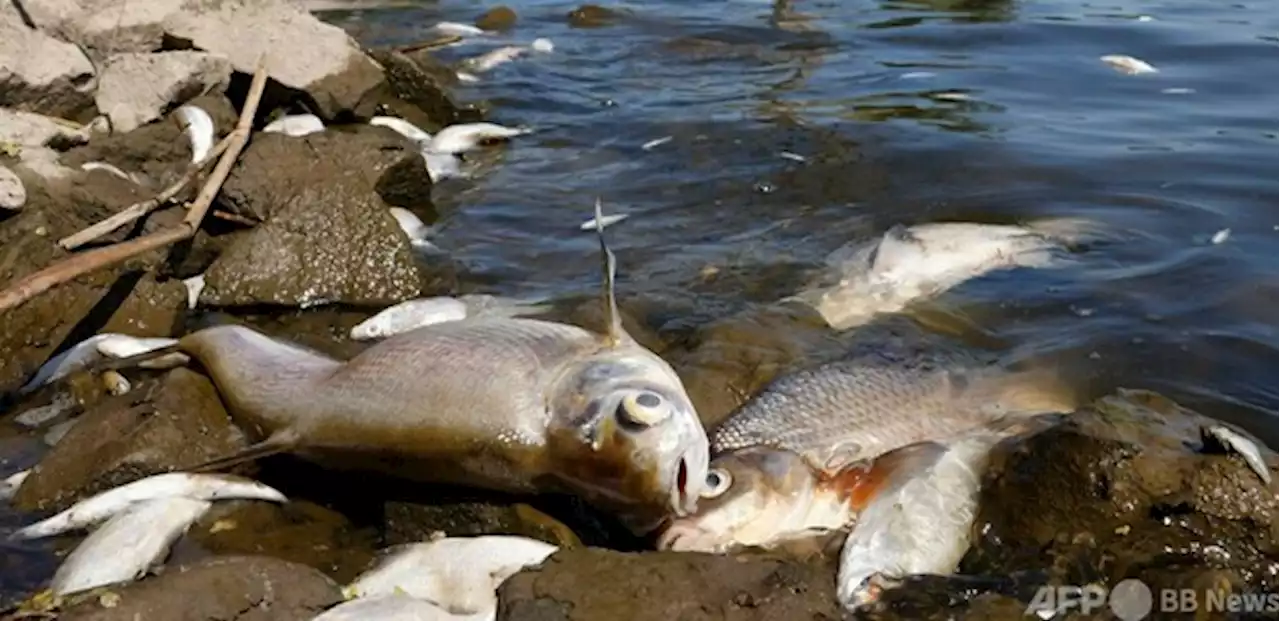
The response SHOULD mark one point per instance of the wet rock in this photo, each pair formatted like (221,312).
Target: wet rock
(177,421)
(39,72)
(135,89)
(403,184)
(244,588)
(300,51)
(298,532)
(331,243)
(562,521)
(421,81)
(593,16)
(13,194)
(498,18)
(1127,488)
(591,583)
(25,137)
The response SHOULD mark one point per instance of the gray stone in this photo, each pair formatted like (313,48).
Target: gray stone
(135,89)
(13,195)
(40,73)
(25,135)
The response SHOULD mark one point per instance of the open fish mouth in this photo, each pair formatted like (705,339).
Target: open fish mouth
(681,499)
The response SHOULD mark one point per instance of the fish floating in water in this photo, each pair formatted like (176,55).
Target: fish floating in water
(512,404)
(499,56)
(908,264)
(441,152)
(142,520)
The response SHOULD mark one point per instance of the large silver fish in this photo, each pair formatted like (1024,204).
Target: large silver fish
(509,404)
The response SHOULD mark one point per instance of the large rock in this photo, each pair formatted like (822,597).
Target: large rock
(328,237)
(177,423)
(592,584)
(26,136)
(300,51)
(39,72)
(135,89)
(244,588)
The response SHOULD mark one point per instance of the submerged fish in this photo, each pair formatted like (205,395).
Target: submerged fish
(128,545)
(908,264)
(512,404)
(459,574)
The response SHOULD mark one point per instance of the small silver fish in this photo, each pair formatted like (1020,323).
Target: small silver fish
(397,607)
(295,125)
(413,314)
(908,264)
(128,545)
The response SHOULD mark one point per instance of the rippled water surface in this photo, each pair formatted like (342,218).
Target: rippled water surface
(902,111)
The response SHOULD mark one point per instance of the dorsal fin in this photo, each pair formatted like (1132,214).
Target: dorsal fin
(614,334)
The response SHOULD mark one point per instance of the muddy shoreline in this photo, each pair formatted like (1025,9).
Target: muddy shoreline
(301,245)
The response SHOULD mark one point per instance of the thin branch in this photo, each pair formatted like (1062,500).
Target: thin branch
(444,41)
(139,210)
(78,265)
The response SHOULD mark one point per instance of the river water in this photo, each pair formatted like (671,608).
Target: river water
(903,111)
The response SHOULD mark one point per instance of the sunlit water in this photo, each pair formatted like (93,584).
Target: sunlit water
(904,111)
(900,112)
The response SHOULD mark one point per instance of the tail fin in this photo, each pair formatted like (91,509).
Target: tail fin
(281,442)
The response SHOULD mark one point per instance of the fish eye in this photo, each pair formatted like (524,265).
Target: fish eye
(644,408)
(718,482)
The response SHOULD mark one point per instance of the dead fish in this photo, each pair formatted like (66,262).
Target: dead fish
(61,404)
(514,404)
(198,126)
(93,349)
(94,509)
(414,228)
(1128,64)
(461,30)
(413,314)
(295,125)
(464,137)
(868,404)
(402,127)
(608,220)
(396,607)
(128,545)
(9,486)
(1243,445)
(195,286)
(908,264)
(495,57)
(13,194)
(766,497)
(459,574)
(110,169)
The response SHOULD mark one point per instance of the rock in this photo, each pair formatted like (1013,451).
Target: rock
(13,194)
(27,137)
(420,80)
(403,184)
(499,18)
(586,584)
(301,52)
(177,422)
(1127,488)
(135,89)
(244,588)
(593,16)
(39,72)
(329,238)
(565,521)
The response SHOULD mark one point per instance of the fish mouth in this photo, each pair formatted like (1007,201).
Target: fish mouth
(680,497)
(684,536)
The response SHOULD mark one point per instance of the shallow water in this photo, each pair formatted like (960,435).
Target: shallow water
(904,111)
(901,111)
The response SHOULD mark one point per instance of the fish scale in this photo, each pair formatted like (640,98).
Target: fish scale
(861,407)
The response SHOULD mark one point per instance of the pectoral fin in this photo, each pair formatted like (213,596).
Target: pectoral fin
(863,481)
(281,442)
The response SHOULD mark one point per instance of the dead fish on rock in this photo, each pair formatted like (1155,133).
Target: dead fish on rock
(9,486)
(128,545)
(94,349)
(198,126)
(395,607)
(412,314)
(107,504)
(908,264)
(111,169)
(413,227)
(459,574)
(295,125)
(797,459)
(513,404)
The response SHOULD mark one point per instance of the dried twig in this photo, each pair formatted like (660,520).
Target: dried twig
(80,264)
(138,210)
(428,45)
(231,217)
